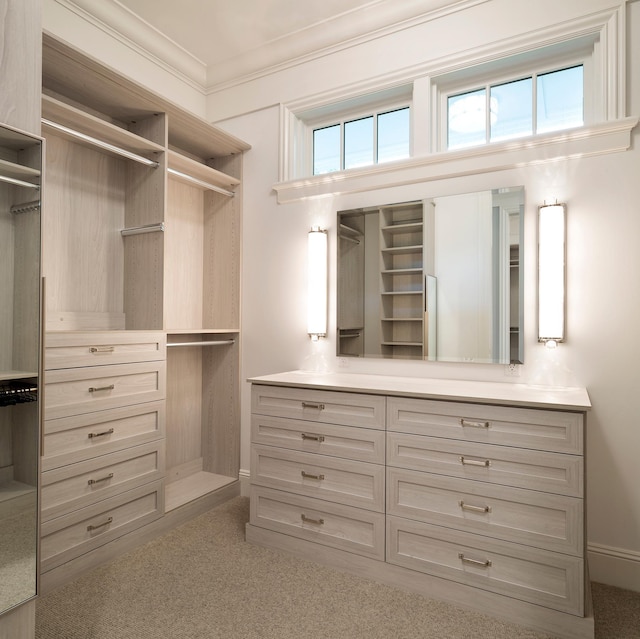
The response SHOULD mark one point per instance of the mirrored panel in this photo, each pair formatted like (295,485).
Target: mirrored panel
(438,279)
(20,170)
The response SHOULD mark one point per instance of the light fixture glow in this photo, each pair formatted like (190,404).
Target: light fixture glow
(317,284)
(551,273)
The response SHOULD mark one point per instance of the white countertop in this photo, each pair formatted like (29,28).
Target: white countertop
(508,394)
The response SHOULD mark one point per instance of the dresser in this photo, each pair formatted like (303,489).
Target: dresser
(470,492)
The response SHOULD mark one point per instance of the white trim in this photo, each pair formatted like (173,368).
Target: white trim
(614,566)
(607,137)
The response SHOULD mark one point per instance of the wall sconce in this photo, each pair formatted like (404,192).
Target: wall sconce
(317,286)
(551,273)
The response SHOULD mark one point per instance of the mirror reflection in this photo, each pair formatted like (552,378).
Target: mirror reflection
(438,279)
(20,166)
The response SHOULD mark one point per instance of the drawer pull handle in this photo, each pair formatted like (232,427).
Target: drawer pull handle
(308,520)
(313,438)
(471,424)
(475,509)
(95,389)
(313,405)
(101,349)
(474,462)
(102,434)
(476,562)
(91,482)
(102,525)
(310,476)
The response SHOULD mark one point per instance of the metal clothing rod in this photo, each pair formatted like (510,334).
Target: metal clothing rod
(147,228)
(206,185)
(25,207)
(219,342)
(102,145)
(349,239)
(10,180)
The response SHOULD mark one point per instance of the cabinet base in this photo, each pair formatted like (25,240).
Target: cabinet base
(562,625)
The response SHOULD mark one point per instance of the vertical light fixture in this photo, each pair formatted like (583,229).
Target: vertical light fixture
(551,273)
(317,285)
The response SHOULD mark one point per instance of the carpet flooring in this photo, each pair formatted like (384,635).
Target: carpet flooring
(203,581)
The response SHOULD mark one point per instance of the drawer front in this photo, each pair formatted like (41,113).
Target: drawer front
(82,484)
(72,439)
(541,577)
(558,473)
(553,522)
(342,481)
(350,409)
(361,444)
(65,538)
(352,529)
(74,349)
(83,390)
(553,431)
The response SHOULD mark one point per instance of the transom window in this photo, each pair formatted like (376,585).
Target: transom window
(369,139)
(537,103)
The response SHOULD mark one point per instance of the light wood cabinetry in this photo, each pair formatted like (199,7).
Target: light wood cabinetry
(143,312)
(483,484)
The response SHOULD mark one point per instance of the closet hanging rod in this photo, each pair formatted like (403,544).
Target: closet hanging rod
(217,342)
(25,207)
(101,144)
(147,228)
(10,180)
(349,239)
(206,185)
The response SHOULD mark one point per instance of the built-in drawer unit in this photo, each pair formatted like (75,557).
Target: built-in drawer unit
(355,530)
(74,349)
(545,578)
(83,530)
(77,485)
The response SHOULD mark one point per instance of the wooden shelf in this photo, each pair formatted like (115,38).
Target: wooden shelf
(200,172)
(8,375)
(199,484)
(18,171)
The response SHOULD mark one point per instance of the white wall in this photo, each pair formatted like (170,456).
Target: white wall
(603,196)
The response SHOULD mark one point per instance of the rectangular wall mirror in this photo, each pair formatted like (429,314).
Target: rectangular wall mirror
(20,170)
(438,279)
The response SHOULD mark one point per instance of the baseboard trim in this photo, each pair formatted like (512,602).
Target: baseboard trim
(614,566)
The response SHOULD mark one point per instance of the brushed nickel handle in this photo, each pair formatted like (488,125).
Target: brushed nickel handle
(308,520)
(476,562)
(474,462)
(101,349)
(313,405)
(473,424)
(102,525)
(313,438)
(475,509)
(91,482)
(102,434)
(95,389)
(310,476)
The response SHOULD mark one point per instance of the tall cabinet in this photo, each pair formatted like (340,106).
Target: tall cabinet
(142,270)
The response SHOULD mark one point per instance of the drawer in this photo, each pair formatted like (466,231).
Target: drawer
(361,444)
(72,439)
(352,529)
(350,409)
(82,484)
(81,531)
(74,391)
(541,577)
(559,473)
(527,517)
(548,430)
(74,349)
(347,482)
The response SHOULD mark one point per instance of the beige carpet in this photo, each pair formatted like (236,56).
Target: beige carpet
(203,581)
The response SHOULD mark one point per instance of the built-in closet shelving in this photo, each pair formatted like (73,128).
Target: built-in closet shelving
(401,280)
(143,234)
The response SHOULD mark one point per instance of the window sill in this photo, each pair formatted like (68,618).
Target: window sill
(608,137)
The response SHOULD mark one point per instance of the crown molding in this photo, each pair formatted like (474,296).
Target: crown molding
(128,29)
